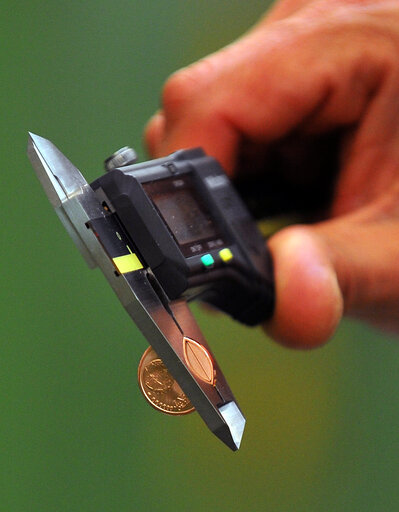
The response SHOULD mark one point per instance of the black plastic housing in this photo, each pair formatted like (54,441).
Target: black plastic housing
(182,208)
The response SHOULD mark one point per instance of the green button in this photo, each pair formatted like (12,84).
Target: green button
(226,255)
(207,260)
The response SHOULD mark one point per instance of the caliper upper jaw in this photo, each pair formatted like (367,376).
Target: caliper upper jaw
(64,185)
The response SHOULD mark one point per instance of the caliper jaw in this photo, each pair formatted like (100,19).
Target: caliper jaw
(172,331)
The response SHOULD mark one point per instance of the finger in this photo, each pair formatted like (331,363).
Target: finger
(371,158)
(257,88)
(217,138)
(154,133)
(235,93)
(309,302)
(189,123)
(346,265)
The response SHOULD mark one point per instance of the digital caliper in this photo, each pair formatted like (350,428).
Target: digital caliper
(165,232)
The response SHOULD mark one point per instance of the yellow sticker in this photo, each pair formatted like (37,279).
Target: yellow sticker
(127,263)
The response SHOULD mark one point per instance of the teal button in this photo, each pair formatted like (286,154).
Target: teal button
(207,260)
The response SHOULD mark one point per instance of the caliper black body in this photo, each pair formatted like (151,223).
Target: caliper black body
(190,227)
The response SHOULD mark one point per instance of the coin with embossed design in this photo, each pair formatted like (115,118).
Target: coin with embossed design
(158,386)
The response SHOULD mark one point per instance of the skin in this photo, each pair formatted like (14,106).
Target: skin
(309,67)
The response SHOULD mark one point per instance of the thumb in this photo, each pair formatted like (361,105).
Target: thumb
(345,265)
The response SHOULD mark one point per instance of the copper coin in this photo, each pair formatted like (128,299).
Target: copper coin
(158,386)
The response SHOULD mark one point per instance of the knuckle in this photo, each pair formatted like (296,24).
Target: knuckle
(189,84)
(178,89)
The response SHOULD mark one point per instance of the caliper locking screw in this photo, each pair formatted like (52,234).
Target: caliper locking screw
(121,158)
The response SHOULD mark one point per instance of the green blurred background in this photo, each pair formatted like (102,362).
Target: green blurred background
(75,433)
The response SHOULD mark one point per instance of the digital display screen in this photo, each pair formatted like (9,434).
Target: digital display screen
(186,217)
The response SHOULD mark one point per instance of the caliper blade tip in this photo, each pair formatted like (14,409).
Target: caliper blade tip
(38,149)
(35,138)
(232,431)
(61,181)
(59,177)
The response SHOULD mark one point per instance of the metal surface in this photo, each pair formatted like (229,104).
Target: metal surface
(166,326)
(122,157)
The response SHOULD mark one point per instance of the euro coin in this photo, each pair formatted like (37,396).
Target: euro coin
(158,386)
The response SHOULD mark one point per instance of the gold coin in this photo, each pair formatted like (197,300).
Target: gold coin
(158,386)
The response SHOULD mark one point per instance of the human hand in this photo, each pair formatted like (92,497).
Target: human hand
(310,67)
